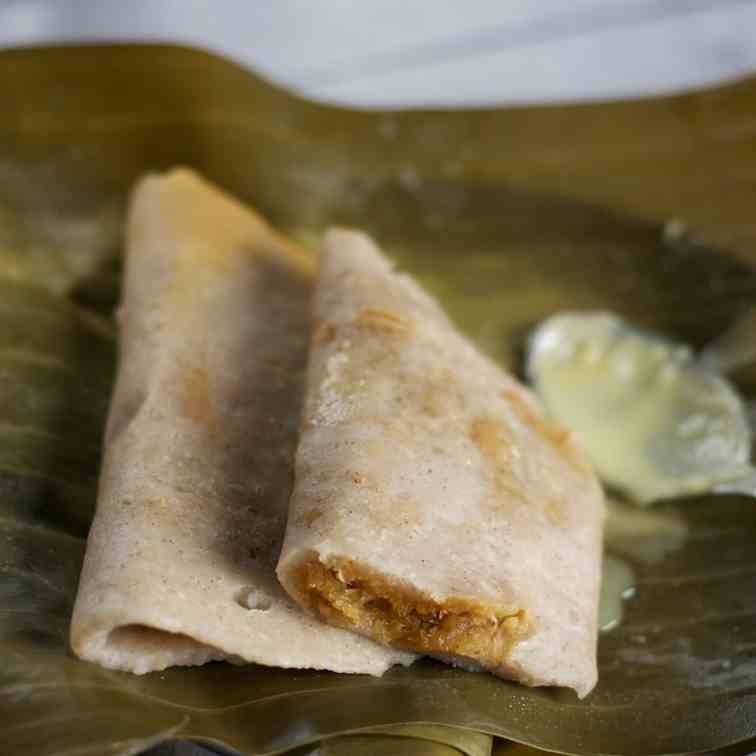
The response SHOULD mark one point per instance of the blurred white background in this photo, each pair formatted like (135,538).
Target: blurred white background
(441,52)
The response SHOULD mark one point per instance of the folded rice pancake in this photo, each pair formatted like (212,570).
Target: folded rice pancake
(434,508)
(199,446)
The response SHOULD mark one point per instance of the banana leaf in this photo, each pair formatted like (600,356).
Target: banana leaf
(399,740)
(356,745)
(403,740)
(508,748)
(643,207)
(370,745)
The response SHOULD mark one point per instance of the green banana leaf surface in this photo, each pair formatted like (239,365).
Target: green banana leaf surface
(404,740)
(507,216)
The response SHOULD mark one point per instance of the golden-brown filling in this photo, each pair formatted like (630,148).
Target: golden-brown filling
(346,594)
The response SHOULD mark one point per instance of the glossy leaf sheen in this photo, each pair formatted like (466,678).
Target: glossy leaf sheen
(508,216)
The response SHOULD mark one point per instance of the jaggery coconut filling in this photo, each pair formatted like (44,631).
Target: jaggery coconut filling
(352,596)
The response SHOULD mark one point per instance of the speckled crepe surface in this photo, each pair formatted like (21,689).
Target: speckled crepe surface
(424,462)
(199,447)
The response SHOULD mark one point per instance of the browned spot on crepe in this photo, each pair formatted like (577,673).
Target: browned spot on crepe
(493,438)
(364,481)
(164,513)
(197,403)
(350,595)
(383,320)
(324,334)
(440,395)
(554,508)
(496,443)
(311,516)
(396,512)
(558,437)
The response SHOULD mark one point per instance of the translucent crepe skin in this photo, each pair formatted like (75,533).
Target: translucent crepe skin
(198,448)
(434,508)
(510,216)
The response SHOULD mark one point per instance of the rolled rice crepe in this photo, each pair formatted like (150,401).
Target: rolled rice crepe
(434,508)
(199,447)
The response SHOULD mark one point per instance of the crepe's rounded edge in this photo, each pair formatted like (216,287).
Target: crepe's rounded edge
(135,640)
(187,188)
